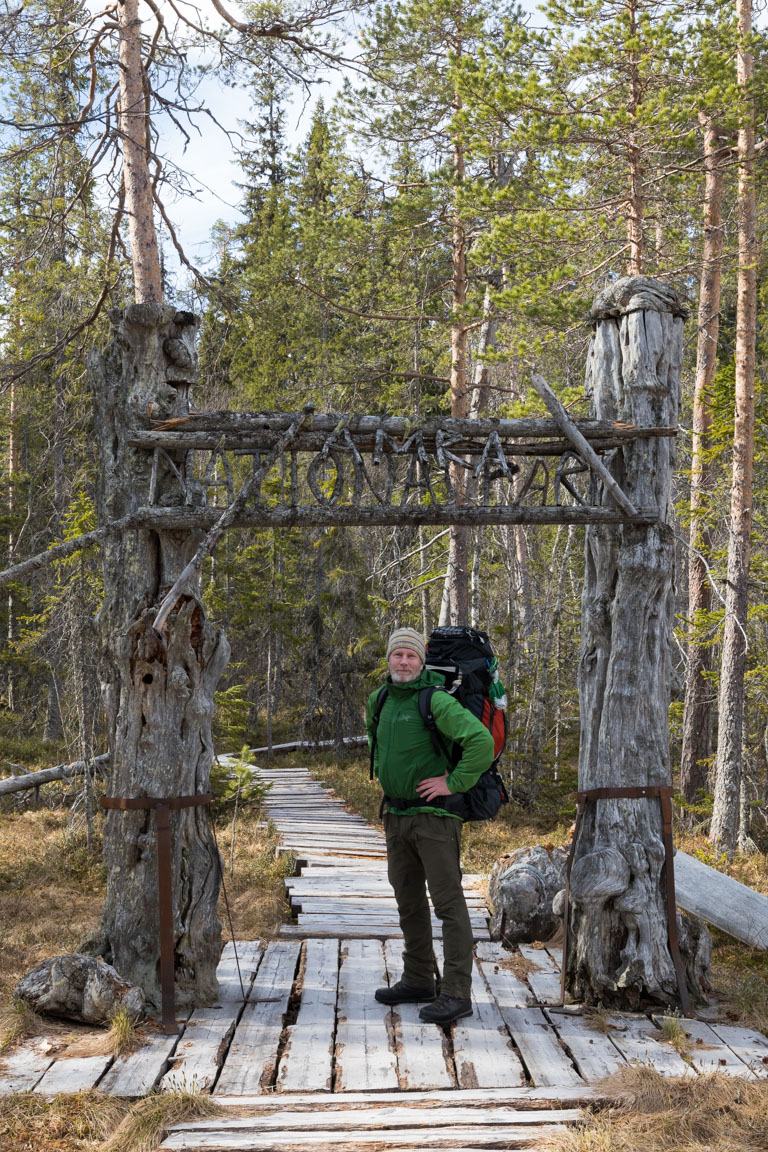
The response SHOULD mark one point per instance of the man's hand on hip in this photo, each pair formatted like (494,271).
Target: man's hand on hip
(433,787)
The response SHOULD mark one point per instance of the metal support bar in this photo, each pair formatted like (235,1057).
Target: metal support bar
(162,807)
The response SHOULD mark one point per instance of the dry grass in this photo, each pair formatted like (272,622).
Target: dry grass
(17,1020)
(87,1121)
(751,869)
(52,888)
(650,1113)
(256,890)
(674,1033)
(51,891)
(123,1035)
(142,1129)
(72,1122)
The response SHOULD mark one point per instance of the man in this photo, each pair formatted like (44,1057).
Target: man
(423,839)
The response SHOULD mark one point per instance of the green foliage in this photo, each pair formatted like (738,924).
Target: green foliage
(236,784)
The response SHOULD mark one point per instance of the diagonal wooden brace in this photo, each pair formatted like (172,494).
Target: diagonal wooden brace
(162,807)
(581,444)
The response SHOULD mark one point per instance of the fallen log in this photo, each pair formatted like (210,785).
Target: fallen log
(306,745)
(48,775)
(720,900)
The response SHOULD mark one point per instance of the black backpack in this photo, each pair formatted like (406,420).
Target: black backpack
(465,658)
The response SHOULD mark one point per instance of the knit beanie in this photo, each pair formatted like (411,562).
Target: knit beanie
(407,638)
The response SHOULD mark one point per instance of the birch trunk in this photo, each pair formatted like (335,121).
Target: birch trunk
(697,716)
(724,830)
(157,690)
(620,956)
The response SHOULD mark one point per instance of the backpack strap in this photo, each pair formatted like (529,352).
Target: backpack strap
(380,702)
(425,711)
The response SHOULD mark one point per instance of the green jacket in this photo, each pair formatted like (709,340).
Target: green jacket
(404,754)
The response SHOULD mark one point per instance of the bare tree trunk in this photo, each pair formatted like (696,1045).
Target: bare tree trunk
(557,573)
(697,716)
(13,470)
(636,198)
(456,602)
(724,829)
(158,689)
(137,183)
(620,954)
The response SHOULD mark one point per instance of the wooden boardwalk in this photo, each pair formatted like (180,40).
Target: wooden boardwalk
(311,1057)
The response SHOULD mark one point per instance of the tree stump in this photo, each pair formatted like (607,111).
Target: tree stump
(158,689)
(619,953)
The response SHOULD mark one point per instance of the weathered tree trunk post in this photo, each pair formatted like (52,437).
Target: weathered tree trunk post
(158,689)
(619,953)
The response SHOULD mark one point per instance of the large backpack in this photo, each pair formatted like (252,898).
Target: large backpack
(466,660)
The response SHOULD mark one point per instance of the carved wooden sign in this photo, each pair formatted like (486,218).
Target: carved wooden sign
(385,470)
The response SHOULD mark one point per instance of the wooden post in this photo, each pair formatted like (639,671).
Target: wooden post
(619,954)
(158,689)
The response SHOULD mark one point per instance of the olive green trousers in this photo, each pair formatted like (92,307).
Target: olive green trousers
(423,852)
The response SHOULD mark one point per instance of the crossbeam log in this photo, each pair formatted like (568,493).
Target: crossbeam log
(351,515)
(244,431)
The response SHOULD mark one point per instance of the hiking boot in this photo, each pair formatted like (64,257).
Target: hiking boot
(445,1010)
(402,993)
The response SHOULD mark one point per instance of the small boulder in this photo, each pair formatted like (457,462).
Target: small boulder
(79,988)
(522,886)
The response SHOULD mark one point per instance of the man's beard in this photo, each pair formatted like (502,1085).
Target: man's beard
(403,677)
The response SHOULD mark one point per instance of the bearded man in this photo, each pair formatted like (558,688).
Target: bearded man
(424,837)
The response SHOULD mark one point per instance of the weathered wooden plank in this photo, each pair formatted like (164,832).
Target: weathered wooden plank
(422,1055)
(593,1053)
(483,1051)
(707,1051)
(331,839)
(252,1057)
(307,1061)
(364,904)
(360,853)
(748,1045)
(508,1136)
(354,885)
(236,969)
(356,929)
(21,1070)
(137,1073)
(328,932)
(201,1050)
(365,1058)
(641,1042)
(384,1116)
(721,900)
(360,931)
(76,1074)
(376,875)
(543,1055)
(544,979)
(363,915)
(528,1096)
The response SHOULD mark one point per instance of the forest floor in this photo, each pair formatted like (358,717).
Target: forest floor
(52,885)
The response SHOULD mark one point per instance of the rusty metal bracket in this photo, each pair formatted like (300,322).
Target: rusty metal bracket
(162,806)
(637,792)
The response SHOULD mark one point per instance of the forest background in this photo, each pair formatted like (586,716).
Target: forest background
(437,234)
